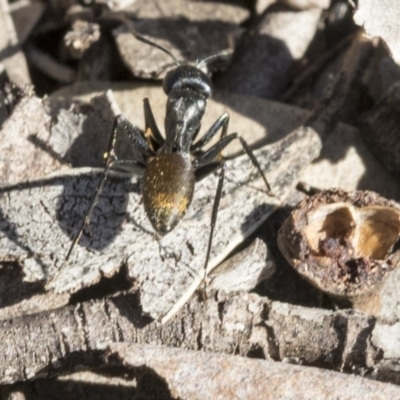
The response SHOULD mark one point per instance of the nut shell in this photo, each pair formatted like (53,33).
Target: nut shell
(343,243)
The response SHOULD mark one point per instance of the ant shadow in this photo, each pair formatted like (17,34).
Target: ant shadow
(108,215)
(87,149)
(70,207)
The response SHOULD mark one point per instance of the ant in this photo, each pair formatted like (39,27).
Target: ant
(172,165)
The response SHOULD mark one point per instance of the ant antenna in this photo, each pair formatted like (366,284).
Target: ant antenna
(225,52)
(128,23)
(147,41)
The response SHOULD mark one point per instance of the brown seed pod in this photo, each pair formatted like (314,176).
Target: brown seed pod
(344,244)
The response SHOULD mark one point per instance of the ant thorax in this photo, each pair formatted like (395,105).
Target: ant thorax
(185,109)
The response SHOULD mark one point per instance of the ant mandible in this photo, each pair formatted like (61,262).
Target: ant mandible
(172,165)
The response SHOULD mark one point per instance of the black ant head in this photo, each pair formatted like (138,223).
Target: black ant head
(184,76)
(187,77)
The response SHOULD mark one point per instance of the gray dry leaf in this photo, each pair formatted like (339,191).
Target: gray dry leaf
(381,18)
(168,270)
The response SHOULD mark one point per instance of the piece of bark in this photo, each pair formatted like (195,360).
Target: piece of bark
(121,233)
(365,62)
(380,18)
(389,298)
(247,379)
(34,304)
(355,62)
(21,157)
(190,30)
(55,342)
(128,371)
(11,54)
(81,134)
(160,258)
(244,270)
(262,60)
(33,144)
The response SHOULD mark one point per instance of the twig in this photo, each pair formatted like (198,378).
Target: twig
(55,342)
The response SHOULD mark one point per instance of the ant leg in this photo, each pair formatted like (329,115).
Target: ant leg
(150,123)
(223,122)
(213,152)
(88,213)
(139,144)
(205,170)
(214,215)
(111,162)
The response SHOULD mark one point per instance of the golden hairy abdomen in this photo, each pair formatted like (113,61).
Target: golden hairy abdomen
(168,186)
